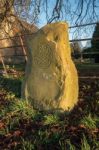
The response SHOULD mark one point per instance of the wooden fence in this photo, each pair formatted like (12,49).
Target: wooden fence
(23,46)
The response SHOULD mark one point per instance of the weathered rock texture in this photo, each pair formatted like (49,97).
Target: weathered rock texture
(51,80)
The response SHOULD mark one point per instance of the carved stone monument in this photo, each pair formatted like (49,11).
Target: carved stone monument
(51,80)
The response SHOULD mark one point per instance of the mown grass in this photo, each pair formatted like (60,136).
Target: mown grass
(22,127)
(88,69)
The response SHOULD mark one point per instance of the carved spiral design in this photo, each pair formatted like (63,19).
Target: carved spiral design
(43,56)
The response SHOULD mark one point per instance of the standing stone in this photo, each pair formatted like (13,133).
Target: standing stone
(51,80)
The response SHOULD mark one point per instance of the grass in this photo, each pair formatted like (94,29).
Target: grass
(51,119)
(88,69)
(22,127)
(85,145)
(19,67)
(89,121)
(88,65)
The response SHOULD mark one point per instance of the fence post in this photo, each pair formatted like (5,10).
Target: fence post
(3,65)
(23,48)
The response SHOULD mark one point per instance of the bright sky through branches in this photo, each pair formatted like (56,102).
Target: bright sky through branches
(71,18)
(74,12)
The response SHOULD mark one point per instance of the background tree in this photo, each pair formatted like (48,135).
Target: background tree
(76,49)
(31,10)
(95,42)
(5,9)
(95,39)
(41,12)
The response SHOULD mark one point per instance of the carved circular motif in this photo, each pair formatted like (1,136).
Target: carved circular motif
(43,56)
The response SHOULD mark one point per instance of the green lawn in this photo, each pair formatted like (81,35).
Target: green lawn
(87,65)
(22,127)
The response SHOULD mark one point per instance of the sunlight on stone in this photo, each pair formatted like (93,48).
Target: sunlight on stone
(51,80)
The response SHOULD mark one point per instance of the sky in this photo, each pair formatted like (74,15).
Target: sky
(74,33)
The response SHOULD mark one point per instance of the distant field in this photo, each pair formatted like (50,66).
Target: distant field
(20,67)
(84,69)
(87,69)
(87,65)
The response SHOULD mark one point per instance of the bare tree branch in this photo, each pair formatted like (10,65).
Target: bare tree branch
(73,11)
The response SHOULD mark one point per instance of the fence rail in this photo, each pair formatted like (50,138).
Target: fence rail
(13,55)
(86,39)
(16,36)
(24,46)
(14,46)
(82,25)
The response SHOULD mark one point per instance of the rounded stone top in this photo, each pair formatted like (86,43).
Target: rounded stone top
(56,25)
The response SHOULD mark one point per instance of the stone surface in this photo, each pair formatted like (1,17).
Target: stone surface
(51,80)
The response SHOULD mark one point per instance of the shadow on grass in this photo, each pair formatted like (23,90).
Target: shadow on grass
(30,129)
(11,85)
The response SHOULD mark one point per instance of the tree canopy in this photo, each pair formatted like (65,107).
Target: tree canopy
(95,39)
(76,11)
(76,48)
